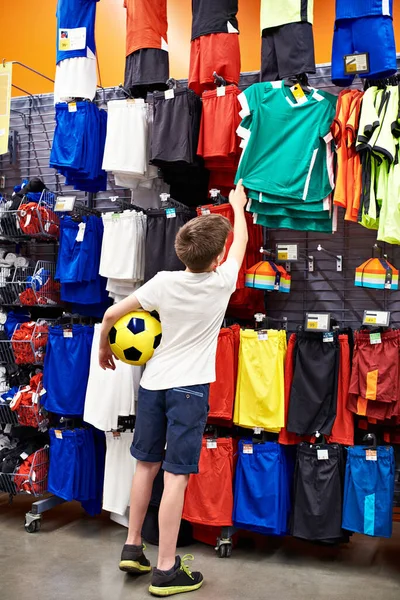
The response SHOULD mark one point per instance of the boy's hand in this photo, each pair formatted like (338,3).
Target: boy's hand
(237,197)
(107,358)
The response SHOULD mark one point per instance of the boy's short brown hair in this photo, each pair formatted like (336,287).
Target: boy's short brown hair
(201,241)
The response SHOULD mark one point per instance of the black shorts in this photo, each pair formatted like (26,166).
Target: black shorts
(176,128)
(160,241)
(188,183)
(313,396)
(147,67)
(286,51)
(318,493)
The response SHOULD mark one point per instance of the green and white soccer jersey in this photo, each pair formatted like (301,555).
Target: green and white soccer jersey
(275,13)
(285,143)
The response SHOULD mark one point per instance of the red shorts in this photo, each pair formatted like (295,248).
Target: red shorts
(223,390)
(218,52)
(209,495)
(343,427)
(219,122)
(374,384)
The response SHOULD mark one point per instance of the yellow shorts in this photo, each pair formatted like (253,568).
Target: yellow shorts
(260,391)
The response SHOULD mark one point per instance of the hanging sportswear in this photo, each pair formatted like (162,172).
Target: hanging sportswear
(75,28)
(282,140)
(276,13)
(214,16)
(354,9)
(146,25)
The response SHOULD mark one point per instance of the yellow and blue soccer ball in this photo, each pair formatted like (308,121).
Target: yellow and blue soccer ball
(134,337)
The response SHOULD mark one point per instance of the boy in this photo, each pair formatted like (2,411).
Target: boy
(173,396)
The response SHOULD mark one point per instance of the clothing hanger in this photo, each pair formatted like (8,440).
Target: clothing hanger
(301,80)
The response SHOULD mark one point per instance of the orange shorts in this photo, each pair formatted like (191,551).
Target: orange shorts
(223,390)
(218,52)
(209,495)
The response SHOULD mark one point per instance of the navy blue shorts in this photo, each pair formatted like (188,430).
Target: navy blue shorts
(373,34)
(175,418)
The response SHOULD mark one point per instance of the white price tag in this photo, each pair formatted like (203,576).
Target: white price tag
(7,428)
(169,94)
(72,107)
(24,455)
(211,444)
(262,336)
(286,252)
(67,333)
(322,454)
(205,211)
(258,430)
(58,434)
(247,448)
(317,321)
(65,203)
(116,435)
(221,90)
(356,63)
(371,455)
(72,39)
(377,318)
(81,232)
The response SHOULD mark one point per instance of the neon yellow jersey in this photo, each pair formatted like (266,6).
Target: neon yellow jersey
(275,13)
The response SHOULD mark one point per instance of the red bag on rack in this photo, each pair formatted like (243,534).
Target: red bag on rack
(26,405)
(29,344)
(35,220)
(23,478)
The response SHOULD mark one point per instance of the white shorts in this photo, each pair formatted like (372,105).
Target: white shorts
(121,288)
(119,471)
(75,78)
(133,182)
(109,394)
(127,137)
(122,249)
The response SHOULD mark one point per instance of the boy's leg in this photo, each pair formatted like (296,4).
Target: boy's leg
(148,448)
(169,518)
(186,410)
(142,487)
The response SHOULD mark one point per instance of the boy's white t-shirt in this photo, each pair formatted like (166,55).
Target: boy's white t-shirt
(192,307)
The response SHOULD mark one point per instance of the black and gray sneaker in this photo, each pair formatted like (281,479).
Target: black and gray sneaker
(133,560)
(177,581)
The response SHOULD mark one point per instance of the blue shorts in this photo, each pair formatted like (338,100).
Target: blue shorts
(76,470)
(176,417)
(63,461)
(373,34)
(78,262)
(262,488)
(68,150)
(66,369)
(369,492)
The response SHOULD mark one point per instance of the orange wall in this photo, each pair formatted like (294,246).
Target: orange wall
(28,34)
